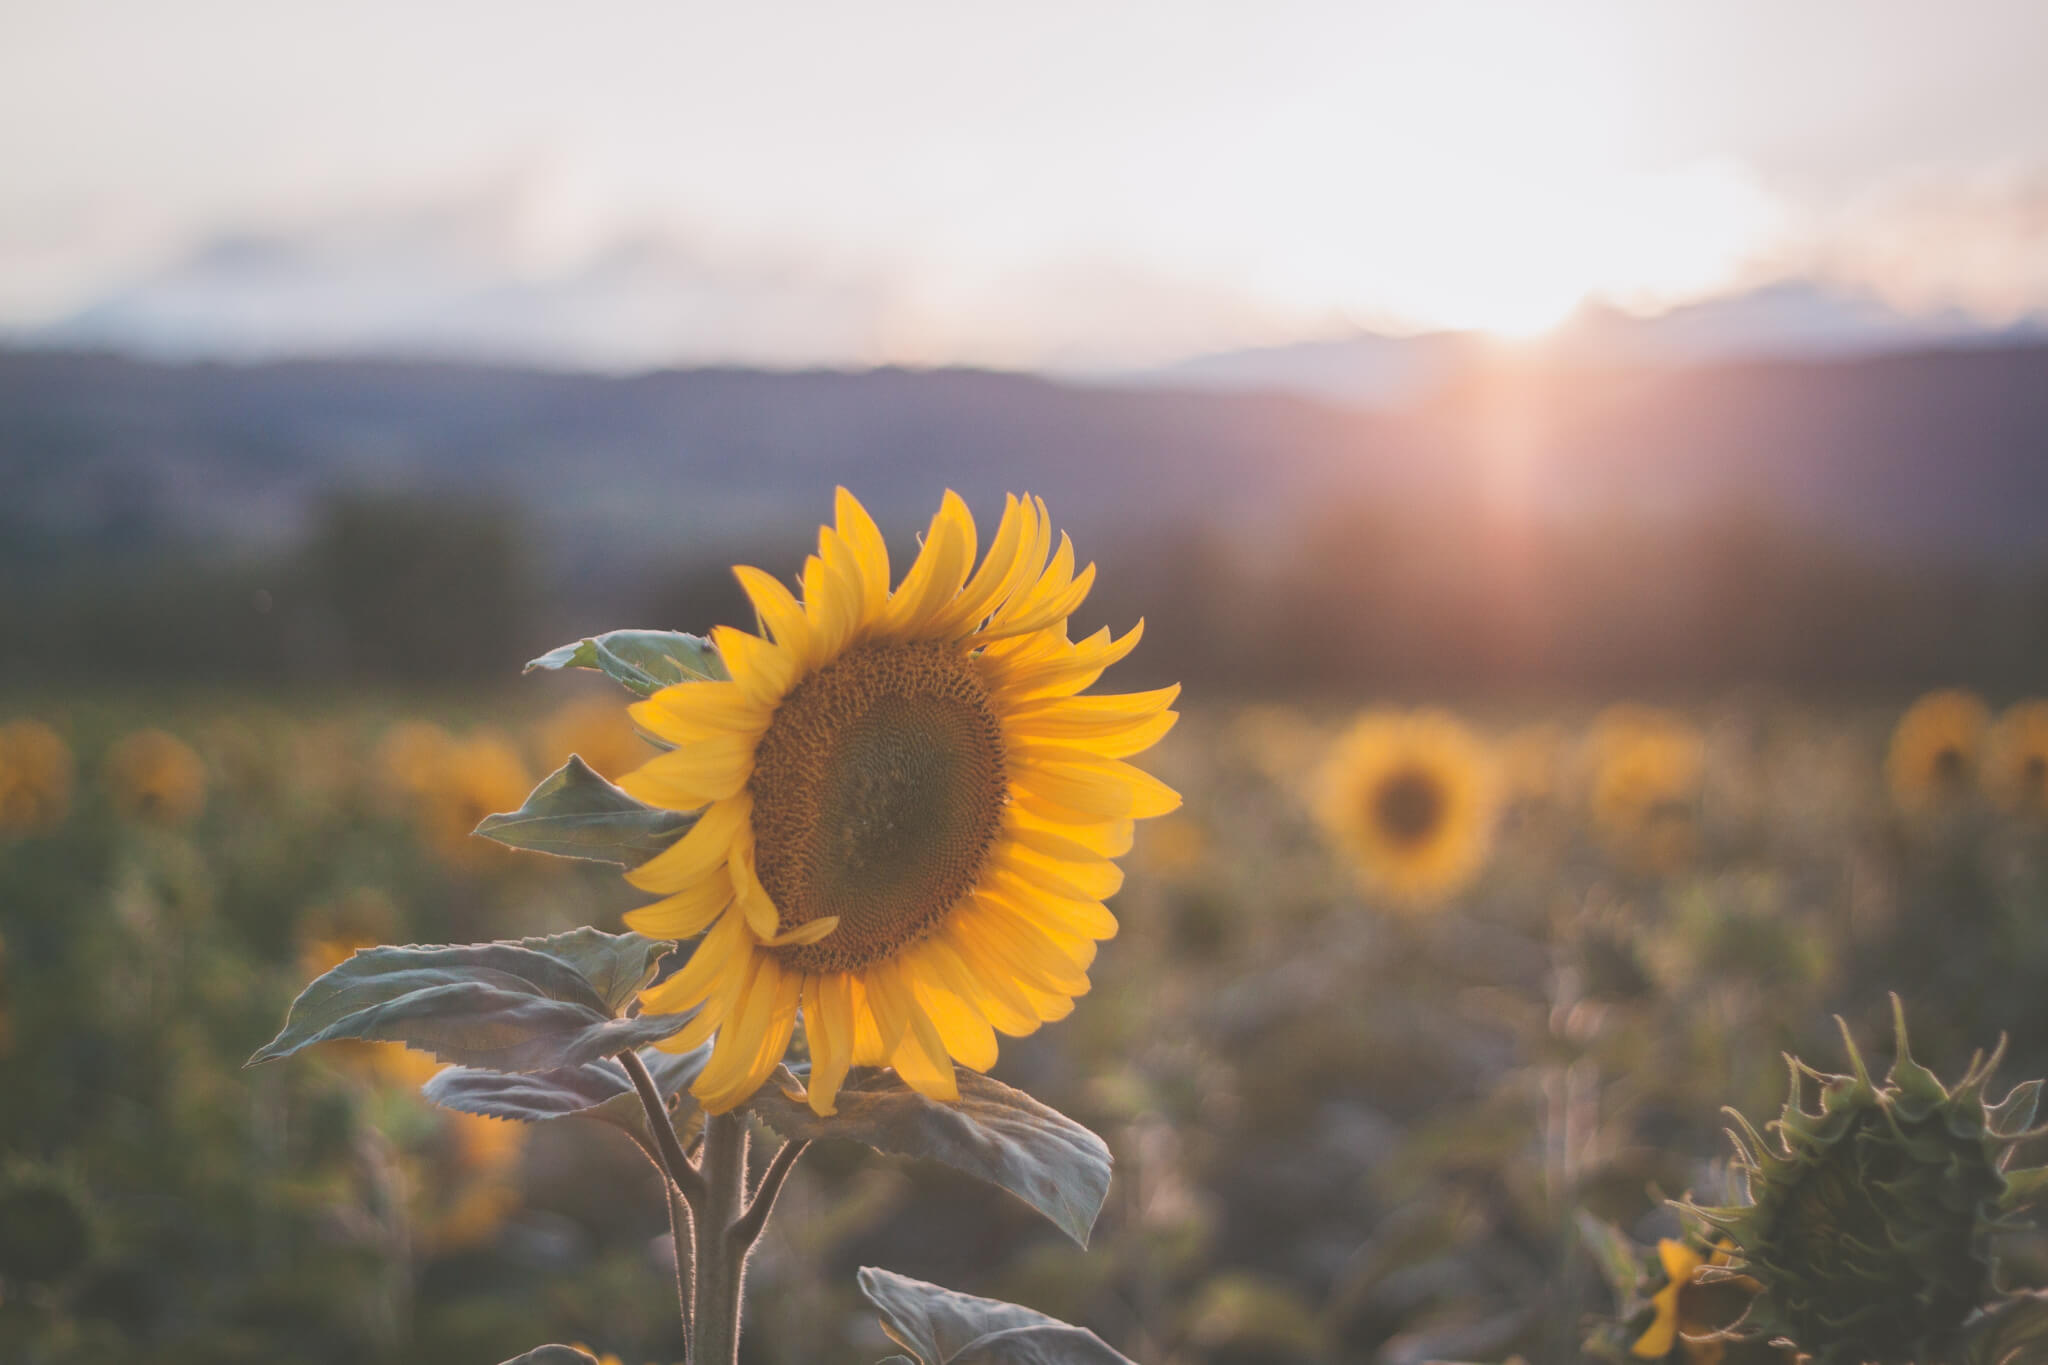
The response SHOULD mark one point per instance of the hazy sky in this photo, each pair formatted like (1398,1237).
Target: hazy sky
(1051,182)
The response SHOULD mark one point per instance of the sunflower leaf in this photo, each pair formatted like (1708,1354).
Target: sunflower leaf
(941,1327)
(537,1005)
(575,813)
(1001,1135)
(645,661)
(599,1090)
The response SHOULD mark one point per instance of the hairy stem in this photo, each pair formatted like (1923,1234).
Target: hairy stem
(747,1230)
(721,1256)
(680,1172)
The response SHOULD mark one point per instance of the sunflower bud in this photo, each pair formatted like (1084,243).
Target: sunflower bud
(1869,1224)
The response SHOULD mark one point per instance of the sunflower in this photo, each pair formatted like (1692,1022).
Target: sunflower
(1411,798)
(593,729)
(35,778)
(908,813)
(1644,770)
(2016,759)
(156,778)
(1688,1308)
(1935,750)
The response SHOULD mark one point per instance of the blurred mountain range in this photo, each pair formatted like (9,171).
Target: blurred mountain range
(1789,320)
(1941,451)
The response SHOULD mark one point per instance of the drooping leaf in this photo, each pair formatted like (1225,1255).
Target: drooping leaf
(2011,1332)
(575,813)
(643,660)
(941,1327)
(536,1005)
(554,1355)
(996,1133)
(598,1090)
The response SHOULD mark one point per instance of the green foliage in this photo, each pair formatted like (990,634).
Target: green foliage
(643,660)
(599,1090)
(536,1005)
(941,1327)
(2015,1332)
(45,1231)
(575,813)
(995,1133)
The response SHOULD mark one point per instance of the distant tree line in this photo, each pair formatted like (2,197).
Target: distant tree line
(426,591)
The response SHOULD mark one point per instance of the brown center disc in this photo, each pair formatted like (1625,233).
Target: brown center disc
(878,791)
(1408,806)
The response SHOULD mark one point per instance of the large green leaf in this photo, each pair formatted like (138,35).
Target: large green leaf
(644,660)
(1001,1135)
(2011,1332)
(941,1327)
(536,1005)
(575,813)
(598,1090)
(554,1355)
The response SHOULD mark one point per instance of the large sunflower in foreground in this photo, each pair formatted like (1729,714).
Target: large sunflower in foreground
(909,814)
(1411,799)
(1935,750)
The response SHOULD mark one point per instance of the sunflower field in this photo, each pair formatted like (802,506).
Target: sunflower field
(1412,1029)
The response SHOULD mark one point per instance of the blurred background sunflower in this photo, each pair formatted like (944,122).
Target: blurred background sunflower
(1935,751)
(1643,771)
(154,777)
(2016,759)
(1410,797)
(35,778)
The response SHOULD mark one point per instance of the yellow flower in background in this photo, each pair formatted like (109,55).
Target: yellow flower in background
(597,731)
(481,774)
(1411,798)
(412,755)
(909,812)
(1644,770)
(2016,759)
(1935,750)
(35,778)
(155,777)
(451,784)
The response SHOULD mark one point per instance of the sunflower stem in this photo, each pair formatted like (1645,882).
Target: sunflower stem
(747,1230)
(721,1254)
(681,1173)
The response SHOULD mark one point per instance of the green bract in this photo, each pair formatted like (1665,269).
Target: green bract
(1869,1224)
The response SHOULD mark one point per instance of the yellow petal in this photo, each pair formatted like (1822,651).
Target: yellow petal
(698,710)
(1094,789)
(754,901)
(941,568)
(828,1025)
(921,1058)
(708,844)
(694,774)
(1059,673)
(779,611)
(1079,919)
(687,913)
(1091,879)
(719,956)
(864,538)
(979,597)
(1006,1007)
(1032,955)
(867,1032)
(961,1027)
(822,927)
(762,670)
(750,1046)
